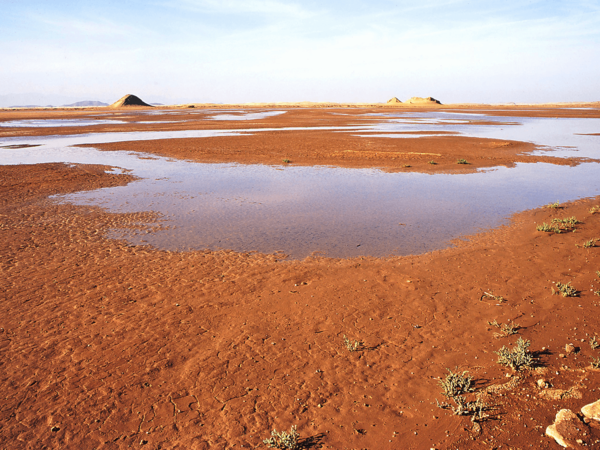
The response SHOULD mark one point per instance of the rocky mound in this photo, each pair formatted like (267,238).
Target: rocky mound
(129,100)
(394,100)
(423,100)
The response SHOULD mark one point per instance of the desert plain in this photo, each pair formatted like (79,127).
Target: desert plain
(110,344)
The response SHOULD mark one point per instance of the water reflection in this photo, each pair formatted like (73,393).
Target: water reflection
(337,212)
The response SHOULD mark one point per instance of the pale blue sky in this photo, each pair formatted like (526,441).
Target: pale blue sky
(55,51)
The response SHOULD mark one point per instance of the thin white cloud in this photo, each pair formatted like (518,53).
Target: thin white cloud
(263,7)
(85,26)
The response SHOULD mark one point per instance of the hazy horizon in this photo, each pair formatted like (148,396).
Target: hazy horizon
(232,51)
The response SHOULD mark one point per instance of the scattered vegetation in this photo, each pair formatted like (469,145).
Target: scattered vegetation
(591,243)
(432,162)
(595,363)
(287,161)
(566,290)
(456,383)
(284,440)
(406,165)
(595,209)
(594,343)
(352,346)
(462,161)
(517,358)
(554,205)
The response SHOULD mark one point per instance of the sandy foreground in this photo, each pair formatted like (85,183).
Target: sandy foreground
(108,345)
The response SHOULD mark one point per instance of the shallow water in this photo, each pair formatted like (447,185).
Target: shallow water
(246,115)
(337,212)
(559,137)
(48,123)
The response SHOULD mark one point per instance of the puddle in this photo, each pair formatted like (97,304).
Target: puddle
(246,115)
(559,137)
(334,211)
(337,212)
(43,123)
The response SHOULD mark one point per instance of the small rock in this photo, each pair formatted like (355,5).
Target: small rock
(561,394)
(566,429)
(542,384)
(561,355)
(569,348)
(592,411)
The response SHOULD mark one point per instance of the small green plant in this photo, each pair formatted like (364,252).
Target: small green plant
(597,293)
(567,222)
(508,330)
(432,163)
(595,363)
(505,329)
(456,383)
(352,346)
(595,209)
(591,243)
(594,343)
(287,161)
(554,205)
(566,290)
(547,228)
(598,273)
(517,358)
(462,407)
(406,165)
(284,440)
(462,161)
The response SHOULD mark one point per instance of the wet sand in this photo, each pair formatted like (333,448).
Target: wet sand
(108,345)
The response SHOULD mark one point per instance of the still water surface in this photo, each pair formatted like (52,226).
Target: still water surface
(333,211)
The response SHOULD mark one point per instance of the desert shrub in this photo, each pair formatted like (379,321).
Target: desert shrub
(456,383)
(566,290)
(463,407)
(517,358)
(283,440)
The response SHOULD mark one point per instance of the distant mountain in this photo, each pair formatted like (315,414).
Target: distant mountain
(157,104)
(31,106)
(88,103)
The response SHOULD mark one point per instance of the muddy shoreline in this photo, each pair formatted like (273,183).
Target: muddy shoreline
(108,345)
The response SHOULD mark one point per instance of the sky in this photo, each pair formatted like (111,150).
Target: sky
(236,51)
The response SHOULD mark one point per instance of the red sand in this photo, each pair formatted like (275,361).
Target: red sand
(106,345)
